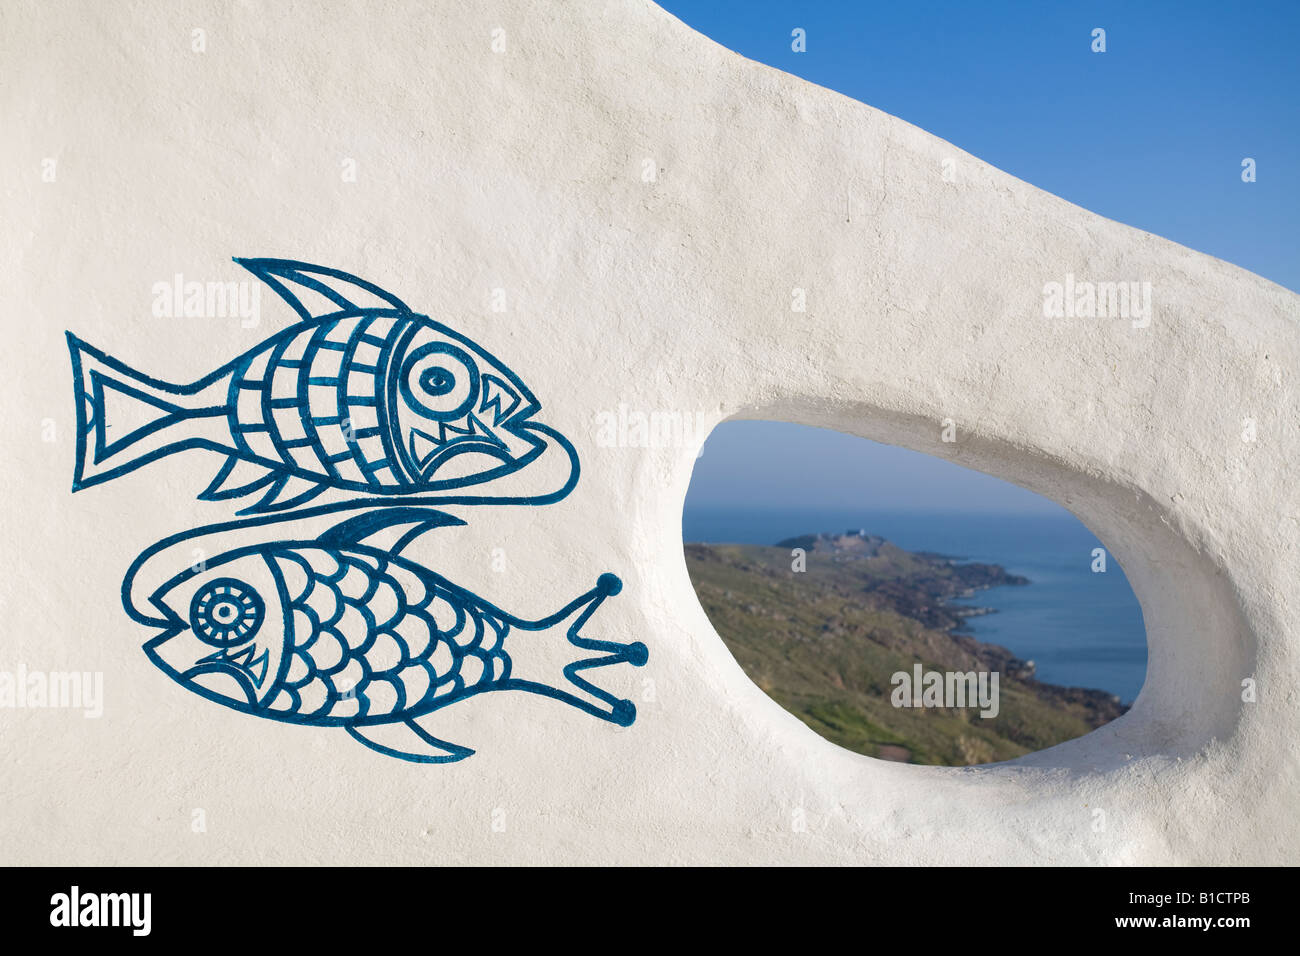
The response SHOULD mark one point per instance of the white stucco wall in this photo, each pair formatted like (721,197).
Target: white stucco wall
(522,170)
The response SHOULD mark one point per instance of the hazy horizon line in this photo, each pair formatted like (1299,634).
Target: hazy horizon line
(1057,511)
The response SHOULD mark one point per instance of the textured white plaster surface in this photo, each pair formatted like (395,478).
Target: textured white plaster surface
(523,170)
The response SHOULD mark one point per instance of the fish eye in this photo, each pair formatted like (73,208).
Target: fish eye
(439,380)
(226,612)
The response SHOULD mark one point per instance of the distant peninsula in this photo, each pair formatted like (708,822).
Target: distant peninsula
(820,622)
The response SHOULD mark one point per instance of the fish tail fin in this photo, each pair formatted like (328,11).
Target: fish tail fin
(579,691)
(126,419)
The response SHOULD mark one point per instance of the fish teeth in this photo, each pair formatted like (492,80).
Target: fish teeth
(461,430)
(494,392)
(423,447)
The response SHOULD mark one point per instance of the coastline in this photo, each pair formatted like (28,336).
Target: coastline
(1081,628)
(824,623)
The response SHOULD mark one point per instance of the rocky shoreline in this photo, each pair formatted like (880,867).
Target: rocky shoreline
(855,608)
(954,577)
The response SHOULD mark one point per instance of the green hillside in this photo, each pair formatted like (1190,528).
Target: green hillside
(824,643)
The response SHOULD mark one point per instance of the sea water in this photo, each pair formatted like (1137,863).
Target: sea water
(1081,628)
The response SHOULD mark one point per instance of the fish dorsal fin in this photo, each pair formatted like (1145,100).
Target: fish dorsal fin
(387,529)
(407,740)
(315,291)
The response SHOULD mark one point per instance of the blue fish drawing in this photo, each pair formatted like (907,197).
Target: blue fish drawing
(361,395)
(338,632)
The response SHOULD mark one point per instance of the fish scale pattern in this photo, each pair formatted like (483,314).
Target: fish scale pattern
(370,637)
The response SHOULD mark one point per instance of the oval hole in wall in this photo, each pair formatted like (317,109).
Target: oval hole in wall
(905,607)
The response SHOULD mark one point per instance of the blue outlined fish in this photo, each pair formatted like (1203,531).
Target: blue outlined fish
(362,395)
(338,632)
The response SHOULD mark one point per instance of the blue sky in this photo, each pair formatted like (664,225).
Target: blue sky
(1151,133)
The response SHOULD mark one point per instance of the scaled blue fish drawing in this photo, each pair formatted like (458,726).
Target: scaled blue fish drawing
(362,395)
(361,406)
(334,632)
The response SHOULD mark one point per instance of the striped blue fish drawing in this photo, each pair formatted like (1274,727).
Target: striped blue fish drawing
(362,395)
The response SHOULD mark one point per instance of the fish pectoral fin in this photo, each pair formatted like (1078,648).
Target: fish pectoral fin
(237,478)
(285,493)
(407,740)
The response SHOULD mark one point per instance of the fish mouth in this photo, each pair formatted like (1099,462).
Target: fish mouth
(243,662)
(432,449)
(173,624)
(219,677)
(188,661)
